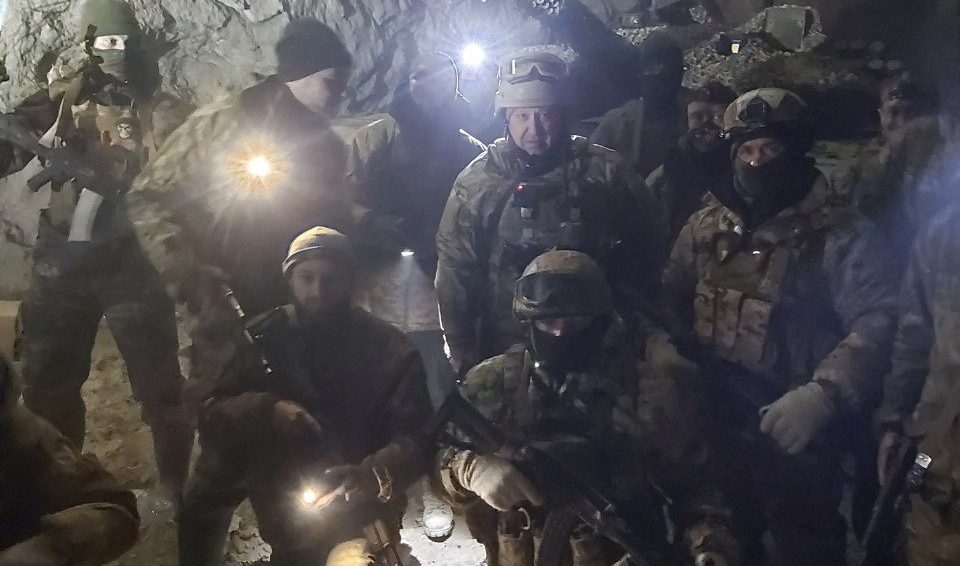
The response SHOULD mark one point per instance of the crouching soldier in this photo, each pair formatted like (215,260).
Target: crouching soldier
(333,419)
(576,386)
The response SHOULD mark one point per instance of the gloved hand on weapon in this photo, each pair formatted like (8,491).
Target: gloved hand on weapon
(712,544)
(665,359)
(494,479)
(795,419)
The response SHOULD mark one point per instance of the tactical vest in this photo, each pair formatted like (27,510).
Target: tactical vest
(762,301)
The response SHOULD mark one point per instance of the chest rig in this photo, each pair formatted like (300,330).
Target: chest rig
(122,134)
(760,302)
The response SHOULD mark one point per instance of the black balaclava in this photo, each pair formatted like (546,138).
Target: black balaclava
(769,188)
(579,351)
(660,49)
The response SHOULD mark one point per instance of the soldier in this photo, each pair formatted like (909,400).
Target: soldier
(87,263)
(347,392)
(56,505)
(914,174)
(247,173)
(920,395)
(577,375)
(403,165)
(535,190)
(788,297)
(645,129)
(700,161)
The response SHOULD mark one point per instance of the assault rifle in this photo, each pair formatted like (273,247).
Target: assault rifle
(889,508)
(571,497)
(91,169)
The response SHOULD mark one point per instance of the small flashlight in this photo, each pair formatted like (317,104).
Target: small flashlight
(309,496)
(472,55)
(259,166)
(406,252)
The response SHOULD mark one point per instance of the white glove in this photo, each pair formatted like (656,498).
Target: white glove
(495,480)
(795,419)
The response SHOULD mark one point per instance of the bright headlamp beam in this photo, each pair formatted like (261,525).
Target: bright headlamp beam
(259,166)
(472,55)
(309,496)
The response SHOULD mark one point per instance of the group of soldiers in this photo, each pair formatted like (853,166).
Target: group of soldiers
(682,306)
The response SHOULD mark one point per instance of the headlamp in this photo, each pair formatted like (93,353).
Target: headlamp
(473,55)
(406,252)
(259,166)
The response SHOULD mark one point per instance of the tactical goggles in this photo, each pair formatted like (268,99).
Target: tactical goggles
(534,68)
(555,294)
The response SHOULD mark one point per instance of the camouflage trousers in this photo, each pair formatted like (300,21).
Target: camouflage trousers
(61,316)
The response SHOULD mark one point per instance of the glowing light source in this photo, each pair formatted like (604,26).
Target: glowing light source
(406,252)
(309,496)
(473,55)
(259,166)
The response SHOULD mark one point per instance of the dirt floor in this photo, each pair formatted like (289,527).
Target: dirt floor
(122,442)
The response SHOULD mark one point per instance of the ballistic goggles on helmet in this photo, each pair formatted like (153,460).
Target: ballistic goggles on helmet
(534,68)
(553,295)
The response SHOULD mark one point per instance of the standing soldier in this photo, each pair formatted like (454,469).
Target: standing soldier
(56,505)
(87,263)
(535,190)
(789,299)
(577,376)
(338,413)
(701,161)
(247,173)
(921,398)
(644,130)
(402,167)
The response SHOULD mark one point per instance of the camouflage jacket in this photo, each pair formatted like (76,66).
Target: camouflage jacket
(127,134)
(639,425)
(47,487)
(484,242)
(805,296)
(923,380)
(198,202)
(396,169)
(641,138)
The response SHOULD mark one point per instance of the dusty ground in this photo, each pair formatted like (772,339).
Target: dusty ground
(117,436)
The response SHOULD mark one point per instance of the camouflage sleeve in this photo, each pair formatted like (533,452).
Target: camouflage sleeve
(911,350)
(169,113)
(606,132)
(459,271)
(368,157)
(864,296)
(169,203)
(90,518)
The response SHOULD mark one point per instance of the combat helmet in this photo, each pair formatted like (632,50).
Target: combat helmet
(774,112)
(560,284)
(531,80)
(108,17)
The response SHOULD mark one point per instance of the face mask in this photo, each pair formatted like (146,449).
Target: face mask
(114,62)
(573,352)
(771,187)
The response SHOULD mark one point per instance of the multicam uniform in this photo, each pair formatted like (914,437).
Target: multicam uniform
(921,393)
(75,283)
(802,297)
(589,201)
(48,489)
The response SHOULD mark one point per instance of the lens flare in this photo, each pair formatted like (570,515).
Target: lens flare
(473,55)
(259,166)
